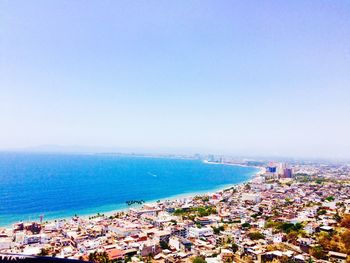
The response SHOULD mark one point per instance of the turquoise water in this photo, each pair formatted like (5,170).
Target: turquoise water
(62,185)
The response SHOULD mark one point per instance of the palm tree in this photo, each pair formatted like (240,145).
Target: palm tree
(93,257)
(99,257)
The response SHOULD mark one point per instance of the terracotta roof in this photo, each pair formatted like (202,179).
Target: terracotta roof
(115,253)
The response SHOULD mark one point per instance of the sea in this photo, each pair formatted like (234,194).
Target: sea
(58,186)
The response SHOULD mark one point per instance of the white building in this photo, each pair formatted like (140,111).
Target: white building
(277,238)
(281,167)
(251,197)
(174,242)
(32,239)
(122,232)
(200,232)
(19,237)
(5,243)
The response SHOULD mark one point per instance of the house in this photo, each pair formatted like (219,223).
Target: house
(149,247)
(300,258)
(326,229)
(203,221)
(115,253)
(310,228)
(270,256)
(251,197)
(337,257)
(303,241)
(261,223)
(179,231)
(186,245)
(226,255)
(31,239)
(180,243)
(200,232)
(213,260)
(278,238)
(174,242)
(330,205)
(162,235)
(31,250)
(122,232)
(5,243)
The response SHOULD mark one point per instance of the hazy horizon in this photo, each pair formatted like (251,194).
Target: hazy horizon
(233,77)
(168,151)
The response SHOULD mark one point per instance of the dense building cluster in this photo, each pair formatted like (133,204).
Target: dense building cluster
(299,213)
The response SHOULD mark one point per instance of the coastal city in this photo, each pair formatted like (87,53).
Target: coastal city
(193,131)
(288,212)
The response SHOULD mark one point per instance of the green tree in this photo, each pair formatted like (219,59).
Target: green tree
(179,212)
(330,198)
(99,257)
(217,230)
(44,252)
(345,222)
(321,212)
(337,217)
(246,225)
(198,260)
(345,237)
(163,244)
(150,257)
(288,227)
(256,235)
(292,236)
(234,247)
(317,252)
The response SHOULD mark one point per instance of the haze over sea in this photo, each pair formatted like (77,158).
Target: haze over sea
(62,185)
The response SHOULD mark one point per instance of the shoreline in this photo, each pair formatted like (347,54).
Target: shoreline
(176,197)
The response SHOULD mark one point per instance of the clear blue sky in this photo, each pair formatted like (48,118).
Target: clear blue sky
(240,77)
